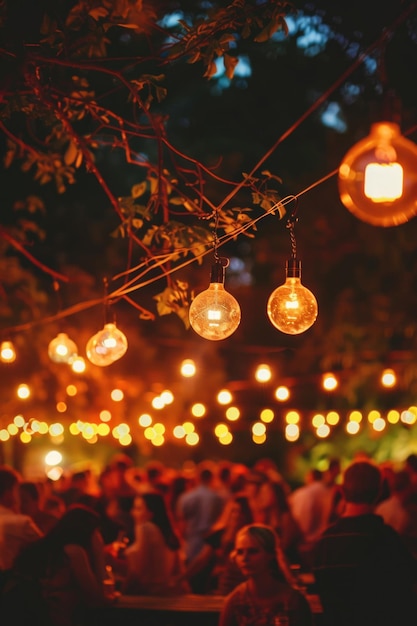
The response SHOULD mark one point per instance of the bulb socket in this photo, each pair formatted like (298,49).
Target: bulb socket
(293,268)
(217,272)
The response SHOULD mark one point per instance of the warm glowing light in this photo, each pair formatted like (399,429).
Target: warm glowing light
(226,440)
(267,416)
(106,346)
(352,427)
(388,378)
(329,382)
(221,430)
(263,373)
(53,458)
(71,390)
(373,415)
(192,439)
(292,417)
(188,427)
(24,437)
(62,349)
(292,432)
(379,424)
(407,417)
(232,413)
(55,429)
(23,392)
(282,393)
(332,418)
(188,368)
(78,364)
(179,432)
(318,420)
(13,429)
(145,420)
(157,403)
(393,416)
(214,313)
(105,416)
(355,416)
(117,395)
(5,435)
(43,428)
(167,397)
(103,430)
(54,473)
(7,352)
(292,308)
(258,439)
(323,431)
(61,407)
(258,429)
(126,440)
(224,397)
(198,409)
(74,429)
(19,420)
(377,181)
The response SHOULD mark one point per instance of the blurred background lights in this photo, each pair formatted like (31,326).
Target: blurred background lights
(393,416)
(292,432)
(292,417)
(192,439)
(117,395)
(388,378)
(232,413)
(158,403)
(178,432)
(226,439)
(224,397)
(329,382)
(332,418)
(167,396)
(7,352)
(23,391)
(145,420)
(352,427)
(71,390)
(282,393)
(188,368)
(105,416)
(19,420)
(54,473)
(355,416)
(267,416)
(198,409)
(323,431)
(78,364)
(258,429)
(263,373)
(61,407)
(54,457)
(379,424)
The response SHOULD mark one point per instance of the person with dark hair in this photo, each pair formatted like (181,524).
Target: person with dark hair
(56,579)
(31,504)
(154,560)
(16,529)
(268,595)
(363,571)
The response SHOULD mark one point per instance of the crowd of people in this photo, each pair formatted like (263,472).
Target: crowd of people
(223,529)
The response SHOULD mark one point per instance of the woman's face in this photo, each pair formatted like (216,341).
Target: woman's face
(250,557)
(140,511)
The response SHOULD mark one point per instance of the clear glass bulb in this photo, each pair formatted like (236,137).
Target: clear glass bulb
(214,313)
(106,346)
(62,349)
(7,352)
(377,177)
(292,308)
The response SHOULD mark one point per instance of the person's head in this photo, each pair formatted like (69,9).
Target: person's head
(151,507)
(29,497)
(236,513)
(256,551)
(76,526)
(362,483)
(9,488)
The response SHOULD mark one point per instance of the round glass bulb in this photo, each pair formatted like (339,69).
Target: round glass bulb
(106,346)
(378,177)
(7,352)
(292,308)
(214,313)
(62,349)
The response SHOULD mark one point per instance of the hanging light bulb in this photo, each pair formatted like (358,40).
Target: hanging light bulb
(292,308)
(378,175)
(7,352)
(215,313)
(106,346)
(62,349)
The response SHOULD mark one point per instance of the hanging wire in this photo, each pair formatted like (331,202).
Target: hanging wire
(291,221)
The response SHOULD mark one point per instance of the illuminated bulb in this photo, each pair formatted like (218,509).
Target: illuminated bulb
(106,346)
(7,352)
(292,308)
(215,313)
(377,177)
(62,349)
